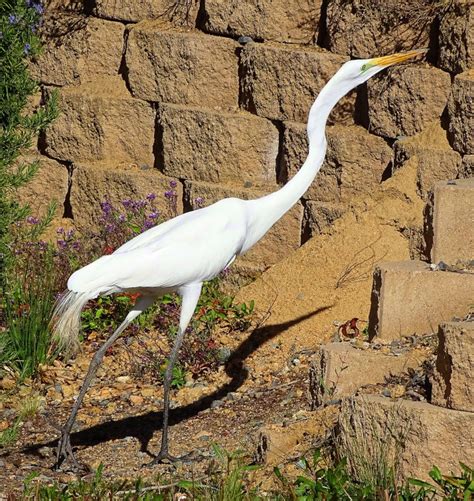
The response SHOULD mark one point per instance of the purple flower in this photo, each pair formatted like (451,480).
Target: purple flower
(199,201)
(147,225)
(109,228)
(60,231)
(62,244)
(122,218)
(153,215)
(127,203)
(39,8)
(106,207)
(170,194)
(27,48)
(151,196)
(69,234)
(76,245)
(12,19)
(173,184)
(32,220)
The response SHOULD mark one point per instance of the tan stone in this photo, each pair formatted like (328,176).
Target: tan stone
(427,435)
(318,216)
(452,377)
(435,158)
(403,100)
(461,113)
(99,121)
(281,83)
(182,68)
(294,21)
(218,147)
(92,184)
(136,399)
(85,48)
(49,184)
(355,161)
(369,28)
(282,239)
(339,370)
(467,167)
(453,218)
(456,37)
(166,10)
(409,298)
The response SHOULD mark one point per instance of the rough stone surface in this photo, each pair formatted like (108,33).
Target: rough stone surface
(281,83)
(50,183)
(429,434)
(280,241)
(294,21)
(182,68)
(166,10)
(452,378)
(453,221)
(456,37)
(100,120)
(409,298)
(199,144)
(467,166)
(461,113)
(369,28)
(79,49)
(403,100)
(318,216)
(355,161)
(435,158)
(338,370)
(91,184)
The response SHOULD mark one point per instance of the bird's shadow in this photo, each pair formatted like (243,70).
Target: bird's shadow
(144,426)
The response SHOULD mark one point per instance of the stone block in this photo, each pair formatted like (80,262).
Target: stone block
(218,147)
(93,183)
(280,241)
(453,221)
(452,378)
(410,298)
(369,28)
(281,83)
(355,161)
(182,68)
(467,166)
(403,100)
(87,48)
(435,158)
(456,37)
(339,370)
(295,21)
(100,120)
(412,436)
(318,216)
(461,113)
(166,10)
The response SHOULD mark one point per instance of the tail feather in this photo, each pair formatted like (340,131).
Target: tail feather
(66,319)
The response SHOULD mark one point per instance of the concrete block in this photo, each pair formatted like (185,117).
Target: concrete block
(461,113)
(453,221)
(405,99)
(412,436)
(409,298)
(295,21)
(280,241)
(281,83)
(218,147)
(452,378)
(182,68)
(339,370)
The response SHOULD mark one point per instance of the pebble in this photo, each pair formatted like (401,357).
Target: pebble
(223,354)
(216,403)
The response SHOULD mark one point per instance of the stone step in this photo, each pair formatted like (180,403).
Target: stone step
(408,297)
(339,370)
(452,221)
(452,378)
(415,435)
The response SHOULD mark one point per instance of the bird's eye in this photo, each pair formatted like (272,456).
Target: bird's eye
(365,67)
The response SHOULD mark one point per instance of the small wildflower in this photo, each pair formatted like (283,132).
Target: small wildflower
(69,234)
(122,218)
(153,215)
(60,231)
(32,220)
(110,228)
(173,184)
(39,8)
(127,203)
(106,207)
(62,244)
(170,194)
(199,201)
(12,19)
(27,48)
(151,197)
(76,245)
(147,225)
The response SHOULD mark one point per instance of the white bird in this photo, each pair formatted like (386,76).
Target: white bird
(182,253)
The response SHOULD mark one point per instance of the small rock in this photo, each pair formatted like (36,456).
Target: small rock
(136,400)
(202,435)
(4,425)
(216,403)
(398,391)
(296,362)
(122,379)
(148,392)
(45,452)
(386,393)
(223,354)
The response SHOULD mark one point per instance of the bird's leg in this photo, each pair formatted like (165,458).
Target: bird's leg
(190,296)
(64,449)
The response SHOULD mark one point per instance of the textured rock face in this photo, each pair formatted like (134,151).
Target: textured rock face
(405,99)
(90,48)
(354,163)
(101,121)
(452,378)
(182,68)
(218,147)
(456,37)
(318,216)
(369,28)
(294,21)
(461,113)
(281,83)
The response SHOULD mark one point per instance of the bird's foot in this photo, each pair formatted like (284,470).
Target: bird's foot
(164,457)
(65,455)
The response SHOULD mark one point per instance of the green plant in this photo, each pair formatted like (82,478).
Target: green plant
(29,408)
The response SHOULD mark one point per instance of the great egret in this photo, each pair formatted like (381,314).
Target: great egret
(180,254)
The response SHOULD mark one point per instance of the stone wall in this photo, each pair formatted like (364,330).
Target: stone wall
(158,90)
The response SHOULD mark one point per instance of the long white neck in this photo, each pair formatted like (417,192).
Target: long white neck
(264,212)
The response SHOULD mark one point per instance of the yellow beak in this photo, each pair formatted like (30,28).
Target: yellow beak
(396,58)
